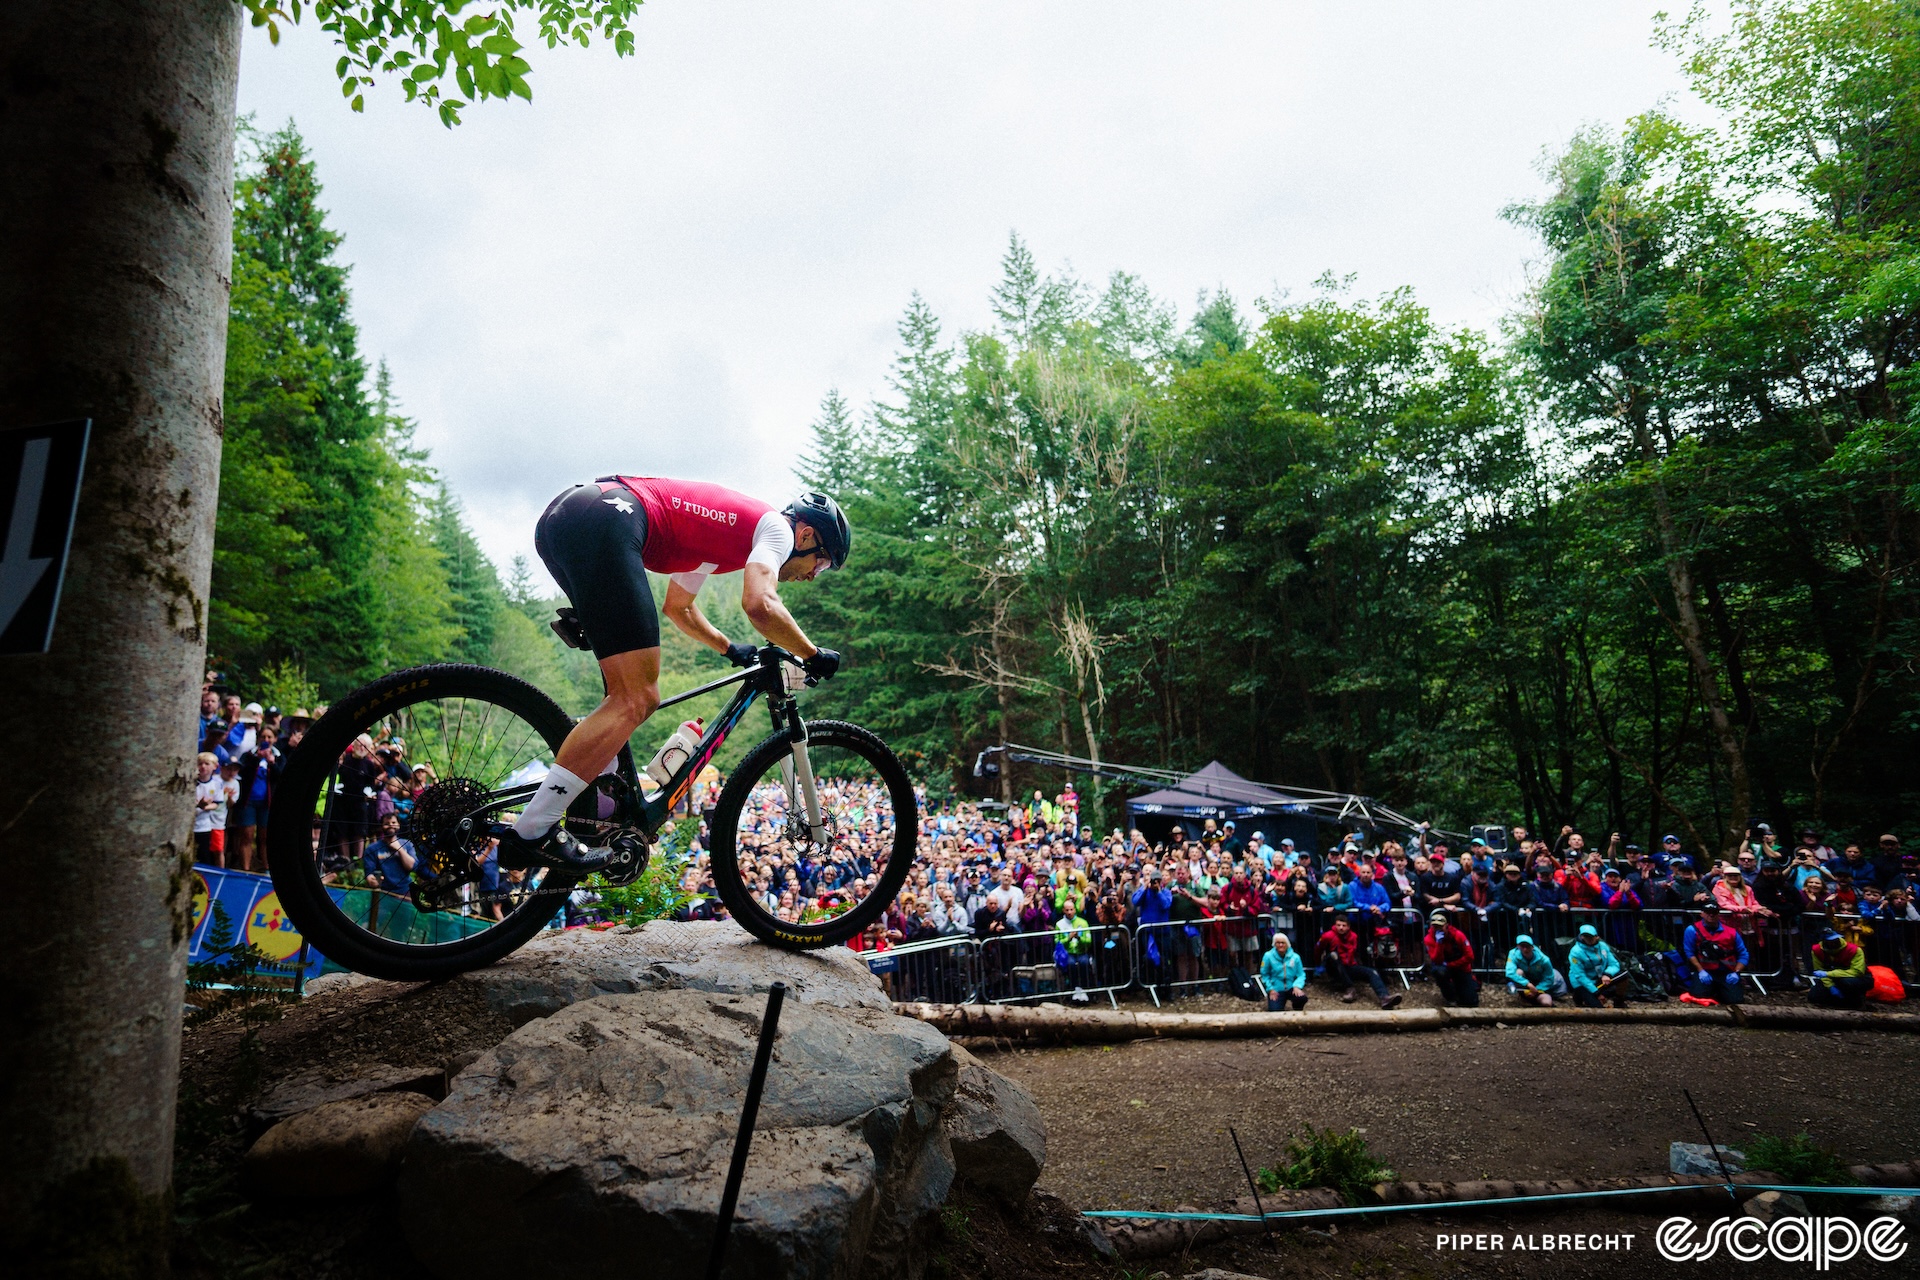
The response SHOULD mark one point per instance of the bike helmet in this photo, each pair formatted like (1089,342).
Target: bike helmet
(829,522)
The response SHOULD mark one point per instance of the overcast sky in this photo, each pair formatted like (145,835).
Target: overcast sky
(663,263)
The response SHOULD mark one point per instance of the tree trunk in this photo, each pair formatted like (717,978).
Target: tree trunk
(1693,639)
(116,159)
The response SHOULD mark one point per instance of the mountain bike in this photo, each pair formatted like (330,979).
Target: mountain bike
(814,792)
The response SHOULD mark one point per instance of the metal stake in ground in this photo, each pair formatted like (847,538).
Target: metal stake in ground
(1251,1184)
(1712,1145)
(730,1198)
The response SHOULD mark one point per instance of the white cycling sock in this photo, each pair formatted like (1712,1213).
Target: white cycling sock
(557,792)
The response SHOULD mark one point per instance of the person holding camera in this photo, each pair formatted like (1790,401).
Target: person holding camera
(1715,956)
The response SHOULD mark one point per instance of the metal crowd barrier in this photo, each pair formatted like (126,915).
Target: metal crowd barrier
(1209,947)
(937,970)
(1012,968)
(1023,966)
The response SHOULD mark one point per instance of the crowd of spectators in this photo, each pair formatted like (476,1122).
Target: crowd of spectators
(240,751)
(1551,919)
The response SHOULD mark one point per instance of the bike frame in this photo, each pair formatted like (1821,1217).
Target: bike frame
(764,678)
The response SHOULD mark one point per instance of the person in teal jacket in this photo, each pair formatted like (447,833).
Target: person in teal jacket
(1531,976)
(1594,971)
(1284,976)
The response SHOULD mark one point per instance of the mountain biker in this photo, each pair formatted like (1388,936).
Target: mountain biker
(598,540)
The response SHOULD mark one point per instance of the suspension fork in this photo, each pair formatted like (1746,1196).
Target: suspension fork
(798,766)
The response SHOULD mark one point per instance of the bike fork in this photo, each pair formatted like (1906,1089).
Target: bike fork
(807,795)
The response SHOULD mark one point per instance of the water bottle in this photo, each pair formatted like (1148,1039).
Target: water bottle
(674,752)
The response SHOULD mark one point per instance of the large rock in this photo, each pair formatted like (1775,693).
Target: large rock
(559,969)
(999,1140)
(341,1148)
(312,1089)
(594,1142)
(1769,1206)
(1697,1159)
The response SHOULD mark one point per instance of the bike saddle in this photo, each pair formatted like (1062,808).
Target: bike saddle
(567,627)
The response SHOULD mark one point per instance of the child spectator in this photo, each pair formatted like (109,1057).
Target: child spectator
(209,811)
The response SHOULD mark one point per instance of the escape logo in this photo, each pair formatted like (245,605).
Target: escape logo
(1821,1241)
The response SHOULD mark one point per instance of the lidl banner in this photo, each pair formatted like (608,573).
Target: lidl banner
(250,903)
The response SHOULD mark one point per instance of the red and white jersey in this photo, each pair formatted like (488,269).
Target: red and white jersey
(694,529)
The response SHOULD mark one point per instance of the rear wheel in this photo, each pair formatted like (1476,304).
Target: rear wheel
(477,733)
(858,862)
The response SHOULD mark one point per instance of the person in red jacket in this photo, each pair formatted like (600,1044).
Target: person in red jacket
(1339,960)
(1240,903)
(1450,961)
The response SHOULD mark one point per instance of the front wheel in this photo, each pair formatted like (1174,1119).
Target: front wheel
(799,885)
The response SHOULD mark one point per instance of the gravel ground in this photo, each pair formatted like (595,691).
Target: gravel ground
(1144,1124)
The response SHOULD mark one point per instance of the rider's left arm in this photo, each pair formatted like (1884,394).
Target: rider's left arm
(760,599)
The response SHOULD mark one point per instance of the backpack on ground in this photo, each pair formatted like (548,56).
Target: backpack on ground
(1642,984)
(1241,983)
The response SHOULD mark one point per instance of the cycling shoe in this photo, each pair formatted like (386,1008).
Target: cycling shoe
(556,849)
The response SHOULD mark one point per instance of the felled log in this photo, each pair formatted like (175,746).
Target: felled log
(1050,1025)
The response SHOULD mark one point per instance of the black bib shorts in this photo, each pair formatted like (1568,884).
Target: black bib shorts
(592,547)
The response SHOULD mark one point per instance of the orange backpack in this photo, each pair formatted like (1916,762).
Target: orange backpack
(1886,984)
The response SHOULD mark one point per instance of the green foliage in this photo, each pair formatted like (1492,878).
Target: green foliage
(284,684)
(338,554)
(1646,564)
(1326,1158)
(422,41)
(1799,1161)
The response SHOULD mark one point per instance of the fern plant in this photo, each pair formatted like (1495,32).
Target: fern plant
(231,977)
(1327,1158)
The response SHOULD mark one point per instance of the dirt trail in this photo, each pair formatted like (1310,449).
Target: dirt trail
(1144,1125)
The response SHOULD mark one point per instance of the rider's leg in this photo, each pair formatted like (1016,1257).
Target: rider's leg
(633,692)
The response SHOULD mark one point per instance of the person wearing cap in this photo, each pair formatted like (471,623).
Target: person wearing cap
(1514,892)
(1594,972)
(1621,904)
(1735,897)
(1891,864)
(1671,851)
(1686,890)
(1715,954)
(1450,962)
(1648,884)
(1531,977)
(1840,978)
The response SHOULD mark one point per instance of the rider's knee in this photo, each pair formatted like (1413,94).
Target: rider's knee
(637,703)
